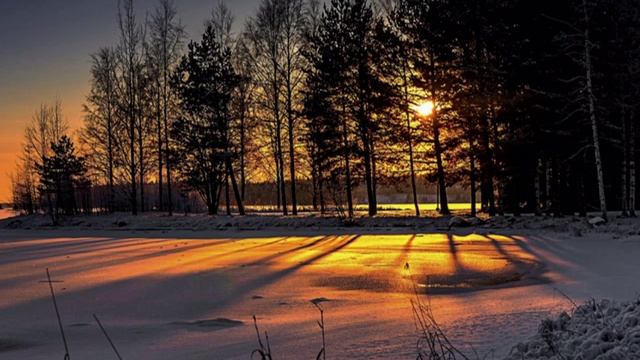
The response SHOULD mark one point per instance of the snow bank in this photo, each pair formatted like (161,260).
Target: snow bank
(616,227)
(156,221)
(603,330)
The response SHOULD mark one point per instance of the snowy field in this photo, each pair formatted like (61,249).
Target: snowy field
(174,294)
(192,295)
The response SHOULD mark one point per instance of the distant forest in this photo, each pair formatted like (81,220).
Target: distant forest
(532,105)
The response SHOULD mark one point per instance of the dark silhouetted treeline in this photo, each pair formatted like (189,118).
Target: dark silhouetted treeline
(530,105)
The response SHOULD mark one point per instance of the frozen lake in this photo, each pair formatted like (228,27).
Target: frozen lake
(171,296)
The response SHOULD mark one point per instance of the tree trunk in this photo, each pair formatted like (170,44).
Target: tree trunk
(442,184)
(211,209)
(242,154)
(592,113)
(292,170)
(368,176)
(321,193)
(292,157)
(283,191)
(314,182)
(555,188)
(472,181)
(412,171)
(278,134)
(548,176)
(132,166)
(625,160)
(110,147)
(486,183)
(632,167)
(234,184)
(227,197)
(165,115)
(159,135)
(407,113)
(374,177)
(142,164)
(347,166)
(278,197)
(536,188)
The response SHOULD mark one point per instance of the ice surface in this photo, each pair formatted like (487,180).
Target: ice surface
(165,293)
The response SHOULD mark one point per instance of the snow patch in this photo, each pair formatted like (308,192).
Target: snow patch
(604,330)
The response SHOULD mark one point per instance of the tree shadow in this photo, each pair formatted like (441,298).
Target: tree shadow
(324,240)
(67,246)
(161,297)
(401,260)
(237,251)
(88,265)
(111,244)
(273,277)
(453,251)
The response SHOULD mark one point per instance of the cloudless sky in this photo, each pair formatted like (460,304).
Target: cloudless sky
(44,54)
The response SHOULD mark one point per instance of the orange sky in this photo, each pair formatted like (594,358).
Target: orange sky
(18,106)
(45,54)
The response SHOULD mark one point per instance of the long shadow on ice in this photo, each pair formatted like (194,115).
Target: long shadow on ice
(157,299)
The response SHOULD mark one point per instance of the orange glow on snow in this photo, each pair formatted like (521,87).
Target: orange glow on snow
(158,285)
(357,262)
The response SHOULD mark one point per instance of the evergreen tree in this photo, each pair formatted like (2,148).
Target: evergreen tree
(61,174)
(204,82)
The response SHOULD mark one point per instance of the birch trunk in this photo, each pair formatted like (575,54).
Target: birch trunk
(592,113)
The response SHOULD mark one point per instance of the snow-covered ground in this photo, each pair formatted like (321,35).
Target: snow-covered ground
(313,221)
(183,294)
(602,330)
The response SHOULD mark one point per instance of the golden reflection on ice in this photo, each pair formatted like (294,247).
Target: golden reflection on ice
(387,263)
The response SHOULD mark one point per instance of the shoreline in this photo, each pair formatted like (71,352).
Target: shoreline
(310,224)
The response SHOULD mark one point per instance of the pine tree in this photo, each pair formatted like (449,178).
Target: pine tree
(204,83)
(60,174)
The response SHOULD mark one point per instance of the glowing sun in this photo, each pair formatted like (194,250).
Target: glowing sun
(425,108)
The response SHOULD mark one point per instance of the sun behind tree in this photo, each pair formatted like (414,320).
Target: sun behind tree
(425,109)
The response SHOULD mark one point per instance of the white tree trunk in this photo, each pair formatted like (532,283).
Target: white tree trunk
(592,113)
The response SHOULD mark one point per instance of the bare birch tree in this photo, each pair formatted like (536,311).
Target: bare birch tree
(100,128)
(166,37)
(265,32)
(131,57)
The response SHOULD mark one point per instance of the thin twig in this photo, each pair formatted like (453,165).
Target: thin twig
(566,297)
(113,346)
(265,353)
(55,306)
(438,345)
(255,324)
(323,351)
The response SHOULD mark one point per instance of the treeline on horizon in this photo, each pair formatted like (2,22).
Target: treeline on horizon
(534,109)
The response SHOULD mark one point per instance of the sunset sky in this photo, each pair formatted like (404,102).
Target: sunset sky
(44,54)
